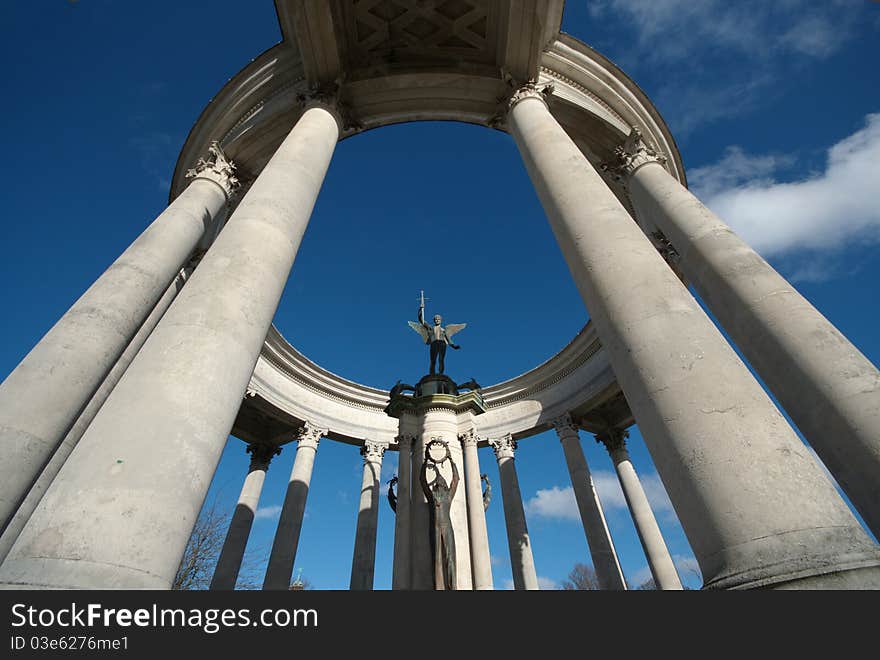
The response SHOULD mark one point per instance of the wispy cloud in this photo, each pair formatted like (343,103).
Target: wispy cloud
(822,212)
(267,512)
(715,59)
(554,502)
(559,502)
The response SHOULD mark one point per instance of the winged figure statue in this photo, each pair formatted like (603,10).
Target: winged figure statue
(436,336)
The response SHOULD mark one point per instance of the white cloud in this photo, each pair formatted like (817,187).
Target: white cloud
(608,488)
(824,211)
(267,512)
(554,502)
(546,584)
(673,29)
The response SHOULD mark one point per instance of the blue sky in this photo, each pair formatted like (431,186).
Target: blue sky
(773,106)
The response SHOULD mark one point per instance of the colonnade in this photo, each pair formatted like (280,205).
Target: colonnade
(756,507)
(603,555)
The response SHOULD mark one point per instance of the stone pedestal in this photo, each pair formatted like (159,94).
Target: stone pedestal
(440,413)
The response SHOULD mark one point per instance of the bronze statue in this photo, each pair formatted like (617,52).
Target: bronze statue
(392,496)
(436,335)
(440,495)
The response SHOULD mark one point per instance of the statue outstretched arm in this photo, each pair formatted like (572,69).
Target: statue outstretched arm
(423,478)
(392,498)
(454,484)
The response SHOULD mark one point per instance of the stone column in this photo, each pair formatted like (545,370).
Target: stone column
(42,398)
(521,561)
(363,563)
(602,551)
(400,578)
(35,494)
(481,563)
(659,560)
(280,567)
(830,390)
(144,465)
(229,562)
(715,435)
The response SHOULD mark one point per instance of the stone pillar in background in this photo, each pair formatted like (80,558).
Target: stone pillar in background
(605,562)
(522,563)
(280,567)
(143,467)
(363,564)
(229,562)
(714,434)
(42,398)
(402,564)
(481,562)
(830,389)
(659,559)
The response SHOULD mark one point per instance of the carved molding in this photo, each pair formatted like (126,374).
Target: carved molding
(504,447)
(261,455)
(217,168)
(373,451)
(328,97)
(405,440)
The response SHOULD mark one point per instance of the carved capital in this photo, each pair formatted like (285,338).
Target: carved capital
(469,438)
(564,425)
(327,96)
(261,455)
(504,447)
(518,92)
(405,442)
(632,154)
(373,451)
(217,168)
(308,435)
(614,440)
(530,90)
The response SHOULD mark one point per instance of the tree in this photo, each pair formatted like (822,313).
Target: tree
(203,550)
(581,577)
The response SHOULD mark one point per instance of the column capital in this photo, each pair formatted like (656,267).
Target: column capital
(261,455)
(613,439)
(564,425)
(217,168)
(326,96)
(469,438)
(308,435)
(632,154)
(405,440)
(518,92)
(504,447)
(373,451)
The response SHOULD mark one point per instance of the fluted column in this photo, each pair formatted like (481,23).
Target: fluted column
(659,559)
(605,561)
(42,398)
(280,567)
(400,577)
(715,435)
(521,561)
(363,563)
(229,562)
(144,465)
(827,386)
(481,563)
(35,494)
